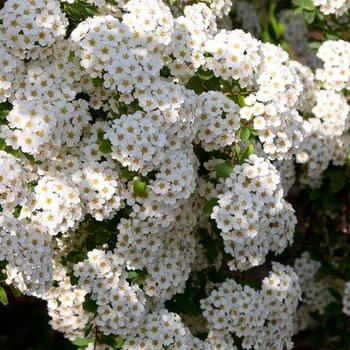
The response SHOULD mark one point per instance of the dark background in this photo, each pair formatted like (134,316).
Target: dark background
(24,325)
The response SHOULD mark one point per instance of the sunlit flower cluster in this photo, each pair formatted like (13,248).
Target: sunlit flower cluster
(252,215)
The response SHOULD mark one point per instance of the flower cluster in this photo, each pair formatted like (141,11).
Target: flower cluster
(64,304)
(234,55)
(54,204)
(145,160)
(101,190)
(27,252)
(160,329)
(219,121)
(252,215)
(43,129)
(10,68)
(263,318)
(335,73)
(190,34)
(120,305)
(329,122)
(13,183)
(28,29)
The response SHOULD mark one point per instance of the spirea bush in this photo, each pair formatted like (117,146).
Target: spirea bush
(175,175)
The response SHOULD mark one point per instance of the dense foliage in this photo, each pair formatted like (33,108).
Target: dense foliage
(175,175)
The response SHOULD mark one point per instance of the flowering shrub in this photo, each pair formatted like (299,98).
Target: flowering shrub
(174,175)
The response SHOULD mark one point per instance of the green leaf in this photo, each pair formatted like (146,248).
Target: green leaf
(82,342)
(75,256)
(277,27)
(3,115)
(241,101)
(15,291)
(244,134)
(237,149)
(105,146)
(165,72)
(115,342)
(89,304)
(204,74)
(3,296)
(310,16)
(74,280)
(127,174)
(315,45)
(137,276)
(88,329)
(195,84)
(223,169)
(80,10)
(246,153)
(101,135)
(17,211)
(97,82)
(208,208)
(4,111)
(308,5)
(266,36)
(187,305)
(140,188)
